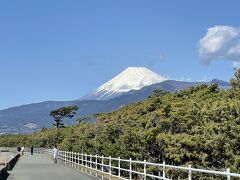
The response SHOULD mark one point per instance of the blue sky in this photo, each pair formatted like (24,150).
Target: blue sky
(61,50)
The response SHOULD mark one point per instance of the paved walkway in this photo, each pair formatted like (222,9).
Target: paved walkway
(41,167)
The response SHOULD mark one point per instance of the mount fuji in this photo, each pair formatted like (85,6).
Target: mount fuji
(132,78)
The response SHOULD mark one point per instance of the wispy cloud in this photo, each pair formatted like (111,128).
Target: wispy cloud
(205,78)
(185,79)
(236,65)
(220,42)
(154,61)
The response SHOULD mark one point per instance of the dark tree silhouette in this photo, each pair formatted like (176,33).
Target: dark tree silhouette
(235,82)
(61,113)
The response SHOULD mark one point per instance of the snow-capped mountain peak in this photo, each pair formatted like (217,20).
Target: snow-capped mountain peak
(132,78)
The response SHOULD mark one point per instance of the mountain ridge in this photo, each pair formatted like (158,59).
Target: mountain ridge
(36,115)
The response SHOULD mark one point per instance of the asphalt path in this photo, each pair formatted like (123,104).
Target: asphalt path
(41,167)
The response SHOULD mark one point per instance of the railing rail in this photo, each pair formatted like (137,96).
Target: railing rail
(105,165)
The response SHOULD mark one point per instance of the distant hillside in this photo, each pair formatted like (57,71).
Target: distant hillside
(168,85)
(31,117)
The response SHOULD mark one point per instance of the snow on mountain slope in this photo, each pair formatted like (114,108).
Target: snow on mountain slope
(132,78)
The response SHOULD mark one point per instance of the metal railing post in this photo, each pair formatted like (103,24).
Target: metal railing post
(102,163)
(90,161)
(145,170)
(82,158)
(228,175)
(65,157)
(96,160)
(72,158)
(189,172)
(110,165)
(85,160)
(68,157)
(164,167)
(130,168)
(119,167)
(75,157)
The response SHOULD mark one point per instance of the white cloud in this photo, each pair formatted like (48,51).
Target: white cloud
(184,79)
(205,78)
(31,125)
(220,42)
(236,65)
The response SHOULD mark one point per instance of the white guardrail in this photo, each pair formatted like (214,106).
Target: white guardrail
(105,166)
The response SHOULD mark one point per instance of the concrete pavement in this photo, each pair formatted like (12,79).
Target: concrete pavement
(41,167)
